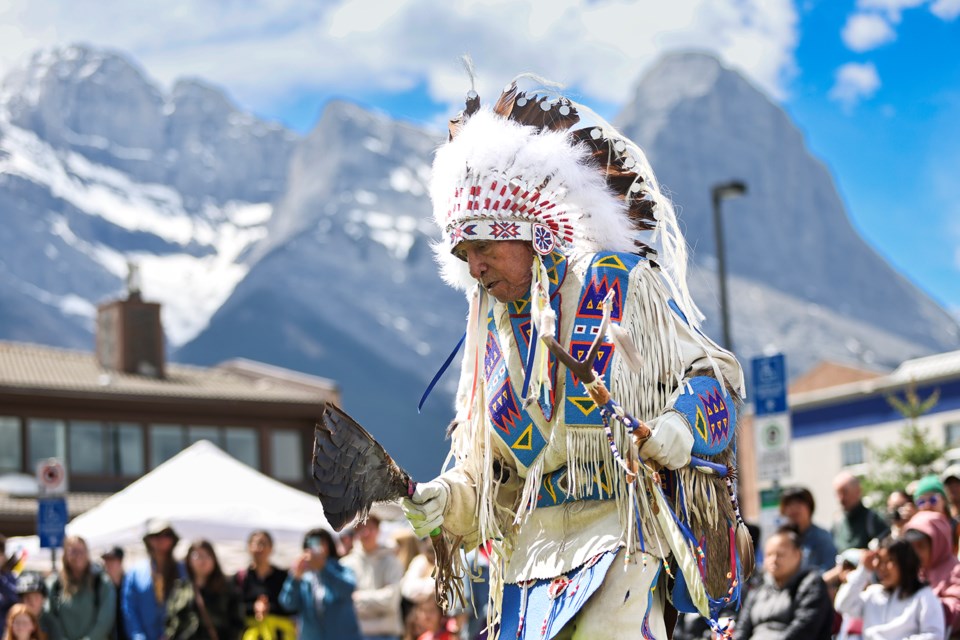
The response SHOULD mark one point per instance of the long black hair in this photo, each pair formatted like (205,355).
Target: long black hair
(216,582)
(907,561)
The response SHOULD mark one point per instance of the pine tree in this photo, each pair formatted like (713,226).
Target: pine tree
(915,455)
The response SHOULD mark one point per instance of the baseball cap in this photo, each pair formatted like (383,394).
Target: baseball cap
(111,554)
(30,582)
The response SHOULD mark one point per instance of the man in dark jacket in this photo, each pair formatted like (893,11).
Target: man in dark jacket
(792,603)
(859,525)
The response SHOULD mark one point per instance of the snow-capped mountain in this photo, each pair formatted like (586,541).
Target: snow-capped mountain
(314,253)
(99,167)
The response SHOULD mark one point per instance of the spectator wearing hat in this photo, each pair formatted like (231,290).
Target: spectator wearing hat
(378,573)
(113,567)
(8,583)
(147,588)
(858,525)
(32,591)
(797,506)
(929,532)
(951,482)
(931,495)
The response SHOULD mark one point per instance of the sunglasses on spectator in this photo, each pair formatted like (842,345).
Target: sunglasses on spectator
(929,500)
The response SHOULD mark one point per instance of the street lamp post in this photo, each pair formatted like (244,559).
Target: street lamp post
(720,192)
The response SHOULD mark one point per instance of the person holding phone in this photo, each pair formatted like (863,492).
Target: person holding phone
(8,582)
(901,605)
(320,591)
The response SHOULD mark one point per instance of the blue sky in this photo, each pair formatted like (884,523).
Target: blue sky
(873,84)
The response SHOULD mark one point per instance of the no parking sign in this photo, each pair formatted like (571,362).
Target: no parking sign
(51,477)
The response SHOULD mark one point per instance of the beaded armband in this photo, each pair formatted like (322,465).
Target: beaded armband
(710,411)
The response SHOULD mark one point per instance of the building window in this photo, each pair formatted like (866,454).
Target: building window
(46,439)
(88,454)
(166,441)
(852,452)
(242,444)
(286,455)
(126,448)
(11,453)
(109,449)
(951,432)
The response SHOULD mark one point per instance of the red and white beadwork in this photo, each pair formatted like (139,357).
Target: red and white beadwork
(507,210)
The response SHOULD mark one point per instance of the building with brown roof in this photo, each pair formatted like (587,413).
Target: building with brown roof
(113,415)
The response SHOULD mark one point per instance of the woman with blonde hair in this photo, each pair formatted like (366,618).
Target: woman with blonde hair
(82,601)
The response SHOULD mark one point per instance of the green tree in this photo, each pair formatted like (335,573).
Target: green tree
(914,455)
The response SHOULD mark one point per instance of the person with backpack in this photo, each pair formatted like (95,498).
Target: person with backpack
(82,601)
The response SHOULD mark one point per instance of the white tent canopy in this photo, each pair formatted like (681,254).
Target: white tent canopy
(203,493)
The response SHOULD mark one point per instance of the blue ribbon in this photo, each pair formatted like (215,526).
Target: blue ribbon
(439,374)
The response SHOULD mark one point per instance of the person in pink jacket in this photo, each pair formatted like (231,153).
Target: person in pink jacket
(930,533)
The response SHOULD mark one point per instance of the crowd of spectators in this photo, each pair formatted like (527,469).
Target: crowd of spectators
(872,577)
(346,587)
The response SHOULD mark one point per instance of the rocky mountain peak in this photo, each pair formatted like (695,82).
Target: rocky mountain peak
(701,125)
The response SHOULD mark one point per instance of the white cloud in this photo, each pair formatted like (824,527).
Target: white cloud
(873,24)
(946,9)
(865,31)
(266,51)
(893,8)
(853,82)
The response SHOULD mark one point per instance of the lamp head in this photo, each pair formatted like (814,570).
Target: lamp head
(730,189)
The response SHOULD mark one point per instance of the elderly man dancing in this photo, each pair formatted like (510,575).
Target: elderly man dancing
(602,509)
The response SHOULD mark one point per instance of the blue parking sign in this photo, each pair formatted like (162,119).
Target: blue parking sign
(51,522)
(770,384)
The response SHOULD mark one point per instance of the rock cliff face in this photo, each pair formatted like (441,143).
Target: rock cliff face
(702,125)
(314,253)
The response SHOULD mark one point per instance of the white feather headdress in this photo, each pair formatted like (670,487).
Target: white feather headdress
(521,171)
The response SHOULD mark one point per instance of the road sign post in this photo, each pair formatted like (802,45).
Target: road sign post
(51,506)
(771,418)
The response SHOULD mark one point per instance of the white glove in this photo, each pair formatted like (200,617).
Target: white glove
(425,508)
(670,441)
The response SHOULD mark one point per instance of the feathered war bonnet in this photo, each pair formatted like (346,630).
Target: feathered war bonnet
(541,168)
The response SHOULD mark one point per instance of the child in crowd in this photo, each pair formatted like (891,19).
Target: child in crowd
(22,624)
(900,605)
